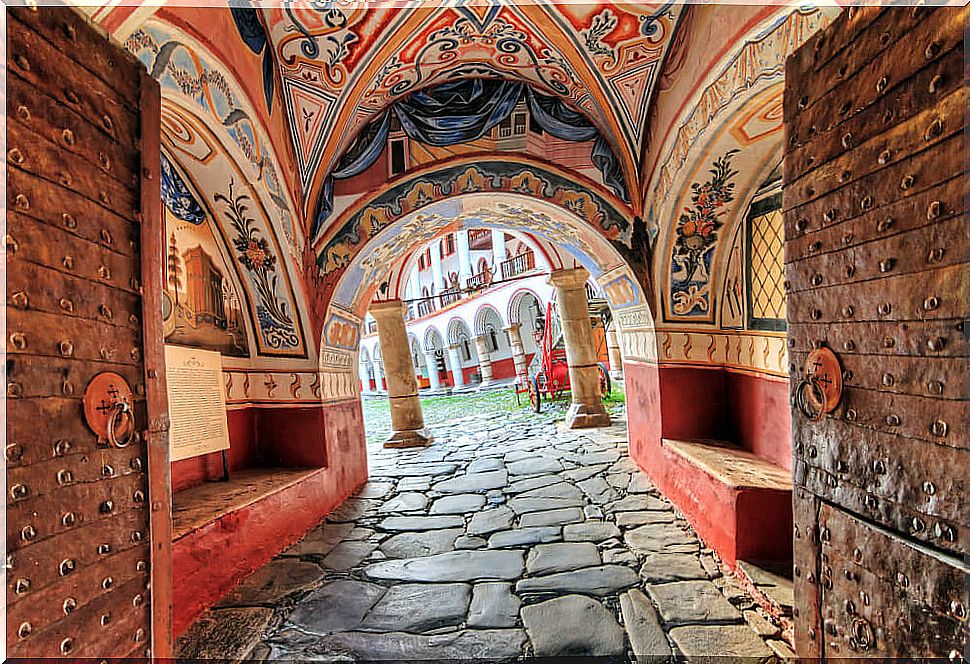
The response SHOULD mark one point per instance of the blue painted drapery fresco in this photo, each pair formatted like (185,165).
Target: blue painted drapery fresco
(462,111)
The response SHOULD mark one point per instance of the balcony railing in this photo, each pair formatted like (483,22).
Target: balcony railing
(481,280)
(449,296)
(517,265)
(426,307)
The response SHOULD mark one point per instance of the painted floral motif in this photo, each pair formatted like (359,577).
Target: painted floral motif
(180,69)
(697,232)
(253,252)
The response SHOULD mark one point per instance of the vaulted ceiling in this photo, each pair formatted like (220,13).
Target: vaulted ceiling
(281,92)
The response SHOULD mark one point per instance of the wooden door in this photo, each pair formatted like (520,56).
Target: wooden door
(88,527)
(877,268)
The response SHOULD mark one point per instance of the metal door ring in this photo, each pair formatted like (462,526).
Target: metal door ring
(121,411)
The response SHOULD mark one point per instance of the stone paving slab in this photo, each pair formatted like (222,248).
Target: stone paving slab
(415,545)
(273,582)
(601,580)
(404,523)
(490,521)
(337,606)
(724,640)
(459,503)
(224,634)
(589,531)
(493,605)
(685,602)
(647,636)
(572,626)
(561,557)
(505,538)
(498,644)
(523,505)
(660,567)
(523,536)
(451,566)
(551,517)
(411,607)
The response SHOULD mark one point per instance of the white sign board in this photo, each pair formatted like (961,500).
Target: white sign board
(196,402)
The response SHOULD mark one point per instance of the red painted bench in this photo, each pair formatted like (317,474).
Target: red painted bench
(738,503)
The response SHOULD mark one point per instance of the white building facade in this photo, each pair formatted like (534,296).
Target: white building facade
(476,299)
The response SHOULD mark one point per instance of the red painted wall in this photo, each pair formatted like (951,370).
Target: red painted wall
(721,404)
(210,561)
(759,416)
(693,403)
(243,453)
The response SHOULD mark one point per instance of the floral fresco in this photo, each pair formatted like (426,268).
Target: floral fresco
(696,237)
(253,252)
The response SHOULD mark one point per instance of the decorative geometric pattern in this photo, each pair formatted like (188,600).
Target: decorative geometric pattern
(766,269)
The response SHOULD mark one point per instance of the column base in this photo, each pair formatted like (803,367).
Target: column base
(581,416)
(411,438)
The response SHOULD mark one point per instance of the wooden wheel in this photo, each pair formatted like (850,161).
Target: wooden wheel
(535,398)
(605,383)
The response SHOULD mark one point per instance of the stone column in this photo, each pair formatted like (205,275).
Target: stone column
(364,376)
(402,385)
(454,354)
(498,252)
(464,258)
(616,355)
(436,272)
(484,360)
(586,409)
(380,384)
(432,363)
(518,352)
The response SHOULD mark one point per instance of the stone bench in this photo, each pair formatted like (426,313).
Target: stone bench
(739,504)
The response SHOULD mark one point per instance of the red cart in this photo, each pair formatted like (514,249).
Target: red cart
(548,377)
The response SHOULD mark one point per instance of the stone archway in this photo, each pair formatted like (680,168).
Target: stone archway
(566,238)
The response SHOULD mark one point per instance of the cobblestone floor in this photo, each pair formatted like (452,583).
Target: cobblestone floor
(508,537)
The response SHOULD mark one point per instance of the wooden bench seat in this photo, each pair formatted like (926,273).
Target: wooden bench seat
(732,466)
(203,504)
(739,504)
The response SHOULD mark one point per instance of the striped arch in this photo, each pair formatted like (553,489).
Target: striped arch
(430,334)
(456,328)
(515,304)
(482,316)
(426,190)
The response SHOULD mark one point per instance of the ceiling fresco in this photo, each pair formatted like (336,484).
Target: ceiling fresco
(342,63)
(261,101)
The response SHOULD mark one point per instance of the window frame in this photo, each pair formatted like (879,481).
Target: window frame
(757,209)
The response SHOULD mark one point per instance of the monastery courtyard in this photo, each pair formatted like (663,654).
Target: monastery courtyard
(508,536)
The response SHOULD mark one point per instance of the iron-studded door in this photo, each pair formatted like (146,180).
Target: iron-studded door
(877,270)
(88,526)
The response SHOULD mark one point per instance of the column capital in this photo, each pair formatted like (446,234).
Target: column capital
(387,309)
(571,279)
(512,327)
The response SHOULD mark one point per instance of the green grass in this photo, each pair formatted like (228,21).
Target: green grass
(616,395)
(445,408)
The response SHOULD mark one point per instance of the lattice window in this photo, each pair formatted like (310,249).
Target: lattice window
(766,269)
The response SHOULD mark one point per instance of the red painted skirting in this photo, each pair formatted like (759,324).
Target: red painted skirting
(209,561)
